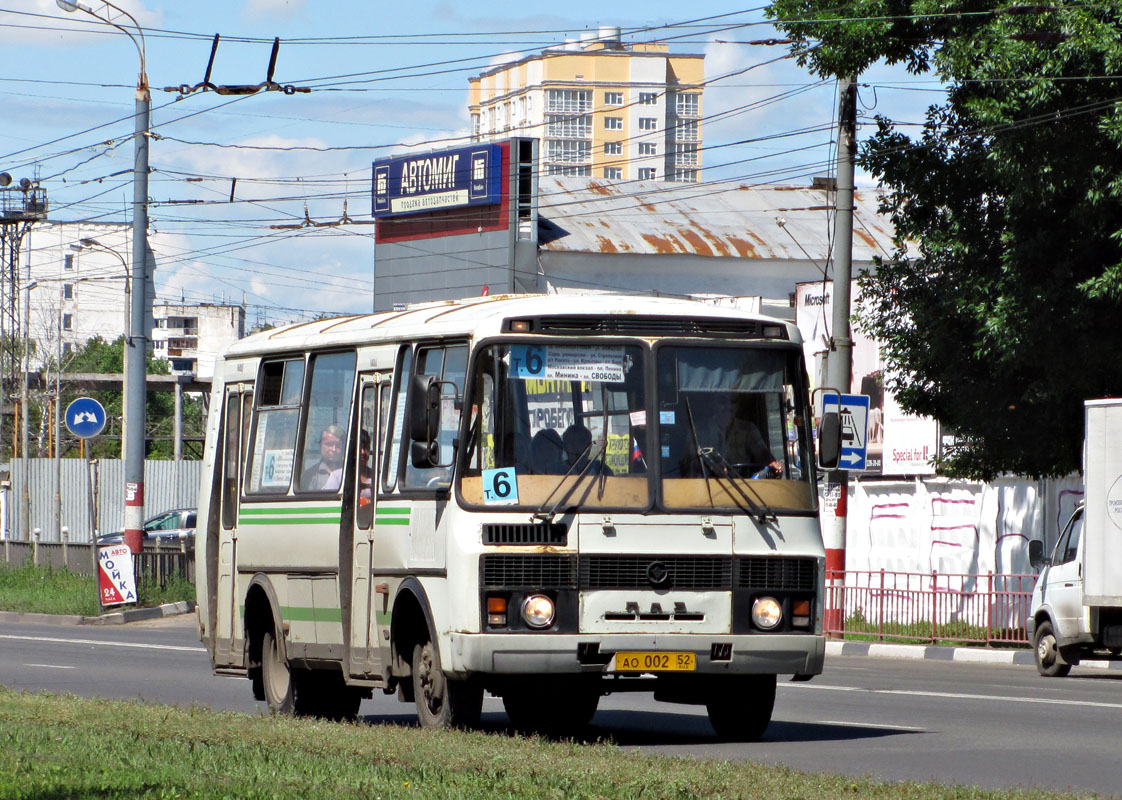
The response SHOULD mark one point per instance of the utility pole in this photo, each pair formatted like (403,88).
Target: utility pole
(840,357)
(136,342)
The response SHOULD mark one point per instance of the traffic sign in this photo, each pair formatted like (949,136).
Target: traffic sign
(85,418)
(854,416)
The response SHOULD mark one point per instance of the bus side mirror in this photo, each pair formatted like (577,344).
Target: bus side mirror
(424,408)
(424,455)
(829,440)
(1036,553)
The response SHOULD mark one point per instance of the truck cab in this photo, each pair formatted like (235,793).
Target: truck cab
(1058,625)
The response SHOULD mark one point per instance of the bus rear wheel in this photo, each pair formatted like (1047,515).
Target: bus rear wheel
(740,710)
(277,681)
(443,702)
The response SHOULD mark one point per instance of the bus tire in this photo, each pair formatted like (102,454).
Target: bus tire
(564,713)
(441,701)
(741,710)
(277,681)
(1050,661)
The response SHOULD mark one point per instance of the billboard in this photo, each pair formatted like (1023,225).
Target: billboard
(898,443)
(415,184)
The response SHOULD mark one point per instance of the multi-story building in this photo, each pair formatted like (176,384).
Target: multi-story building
(601,108)
(76,282)
(191,336)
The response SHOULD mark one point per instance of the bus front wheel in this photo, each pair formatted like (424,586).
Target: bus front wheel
(740,710)
(441,701)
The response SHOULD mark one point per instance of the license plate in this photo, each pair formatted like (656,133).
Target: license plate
(641,661)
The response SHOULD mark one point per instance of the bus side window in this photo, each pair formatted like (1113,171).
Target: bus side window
(233,449)
(449,365)
(367,437)
(325,425)
(278,415)
(392,448)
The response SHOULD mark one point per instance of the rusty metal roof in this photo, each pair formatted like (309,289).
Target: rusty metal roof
(706,219)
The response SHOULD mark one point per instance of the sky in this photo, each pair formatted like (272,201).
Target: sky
(266,197)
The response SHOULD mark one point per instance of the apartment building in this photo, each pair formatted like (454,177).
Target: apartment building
(601,108)
(190,336)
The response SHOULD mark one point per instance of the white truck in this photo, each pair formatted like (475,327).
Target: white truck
(1076,611)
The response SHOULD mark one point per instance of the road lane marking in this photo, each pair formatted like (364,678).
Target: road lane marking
(1000,698)
(874,725)
(49,666)
(141,646)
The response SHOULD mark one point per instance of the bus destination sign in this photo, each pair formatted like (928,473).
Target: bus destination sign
(413,184)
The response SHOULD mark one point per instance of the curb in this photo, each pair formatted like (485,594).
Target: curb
(114,618)
(976,655)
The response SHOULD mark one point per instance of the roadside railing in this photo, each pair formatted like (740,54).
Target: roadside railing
(155,565)
(935,607)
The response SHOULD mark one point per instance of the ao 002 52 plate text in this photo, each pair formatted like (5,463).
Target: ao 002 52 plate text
(641,661)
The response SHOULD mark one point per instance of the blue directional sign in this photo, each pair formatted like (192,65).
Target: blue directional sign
(85,417)
(854,415)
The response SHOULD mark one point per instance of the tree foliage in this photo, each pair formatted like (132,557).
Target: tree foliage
(1009,317)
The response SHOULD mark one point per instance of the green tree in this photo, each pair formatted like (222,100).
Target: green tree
(1008,318)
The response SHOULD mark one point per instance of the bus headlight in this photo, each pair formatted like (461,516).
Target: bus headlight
(538,611)
(766,612)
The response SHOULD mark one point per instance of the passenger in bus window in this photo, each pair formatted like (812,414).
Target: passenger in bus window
(327,473)
(547,454)
(577,441)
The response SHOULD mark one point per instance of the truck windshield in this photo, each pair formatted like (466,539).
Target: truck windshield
(731,429)
(557,426)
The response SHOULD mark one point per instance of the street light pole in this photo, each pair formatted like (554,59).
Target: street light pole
(136,343)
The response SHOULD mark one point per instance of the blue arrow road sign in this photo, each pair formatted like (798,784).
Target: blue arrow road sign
(854,414)
(85,417)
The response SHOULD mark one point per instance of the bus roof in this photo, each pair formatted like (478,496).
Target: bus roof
(478,316)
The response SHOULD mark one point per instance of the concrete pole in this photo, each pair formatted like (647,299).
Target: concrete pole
(840,364)
(136,344)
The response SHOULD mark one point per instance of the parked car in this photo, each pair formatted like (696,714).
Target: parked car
(168,528)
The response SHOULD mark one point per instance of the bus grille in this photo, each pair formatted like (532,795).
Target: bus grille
(538,570)
(655,571)
(788,574)
(525,533)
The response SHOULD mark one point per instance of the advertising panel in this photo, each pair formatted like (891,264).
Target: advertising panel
(898,443)
(414,184)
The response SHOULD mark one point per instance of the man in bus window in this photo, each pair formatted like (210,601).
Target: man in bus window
(736,438)
(327,473)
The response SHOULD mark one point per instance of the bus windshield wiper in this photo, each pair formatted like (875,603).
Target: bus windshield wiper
(713,462)
(721,469)
(546,515)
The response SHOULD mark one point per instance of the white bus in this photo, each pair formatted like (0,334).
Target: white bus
(548,498)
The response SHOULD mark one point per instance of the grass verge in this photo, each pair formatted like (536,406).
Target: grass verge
(52,746)
(41,590)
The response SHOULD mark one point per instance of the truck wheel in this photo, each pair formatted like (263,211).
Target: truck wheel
(1050,661)
(740,710)
(441,701)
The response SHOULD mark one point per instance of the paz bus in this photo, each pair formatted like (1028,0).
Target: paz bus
(548,498)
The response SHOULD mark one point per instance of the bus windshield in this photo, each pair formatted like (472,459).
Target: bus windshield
(731,429)
(557,426)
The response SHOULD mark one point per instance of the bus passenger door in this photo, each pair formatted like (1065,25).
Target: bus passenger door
(367,605)
(229,639)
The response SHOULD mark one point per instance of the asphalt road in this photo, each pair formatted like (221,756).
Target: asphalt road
(988,725)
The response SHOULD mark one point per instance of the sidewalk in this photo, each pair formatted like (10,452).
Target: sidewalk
(976,655)
(112,618)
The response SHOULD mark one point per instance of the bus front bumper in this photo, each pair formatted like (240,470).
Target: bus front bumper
(513,654)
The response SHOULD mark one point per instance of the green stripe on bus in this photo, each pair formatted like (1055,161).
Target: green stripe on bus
(395,510)
(256,512)
(308,614)
(336,519)
(391,521)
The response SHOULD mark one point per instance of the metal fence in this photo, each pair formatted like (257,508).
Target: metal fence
(153,566)
(928,606)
